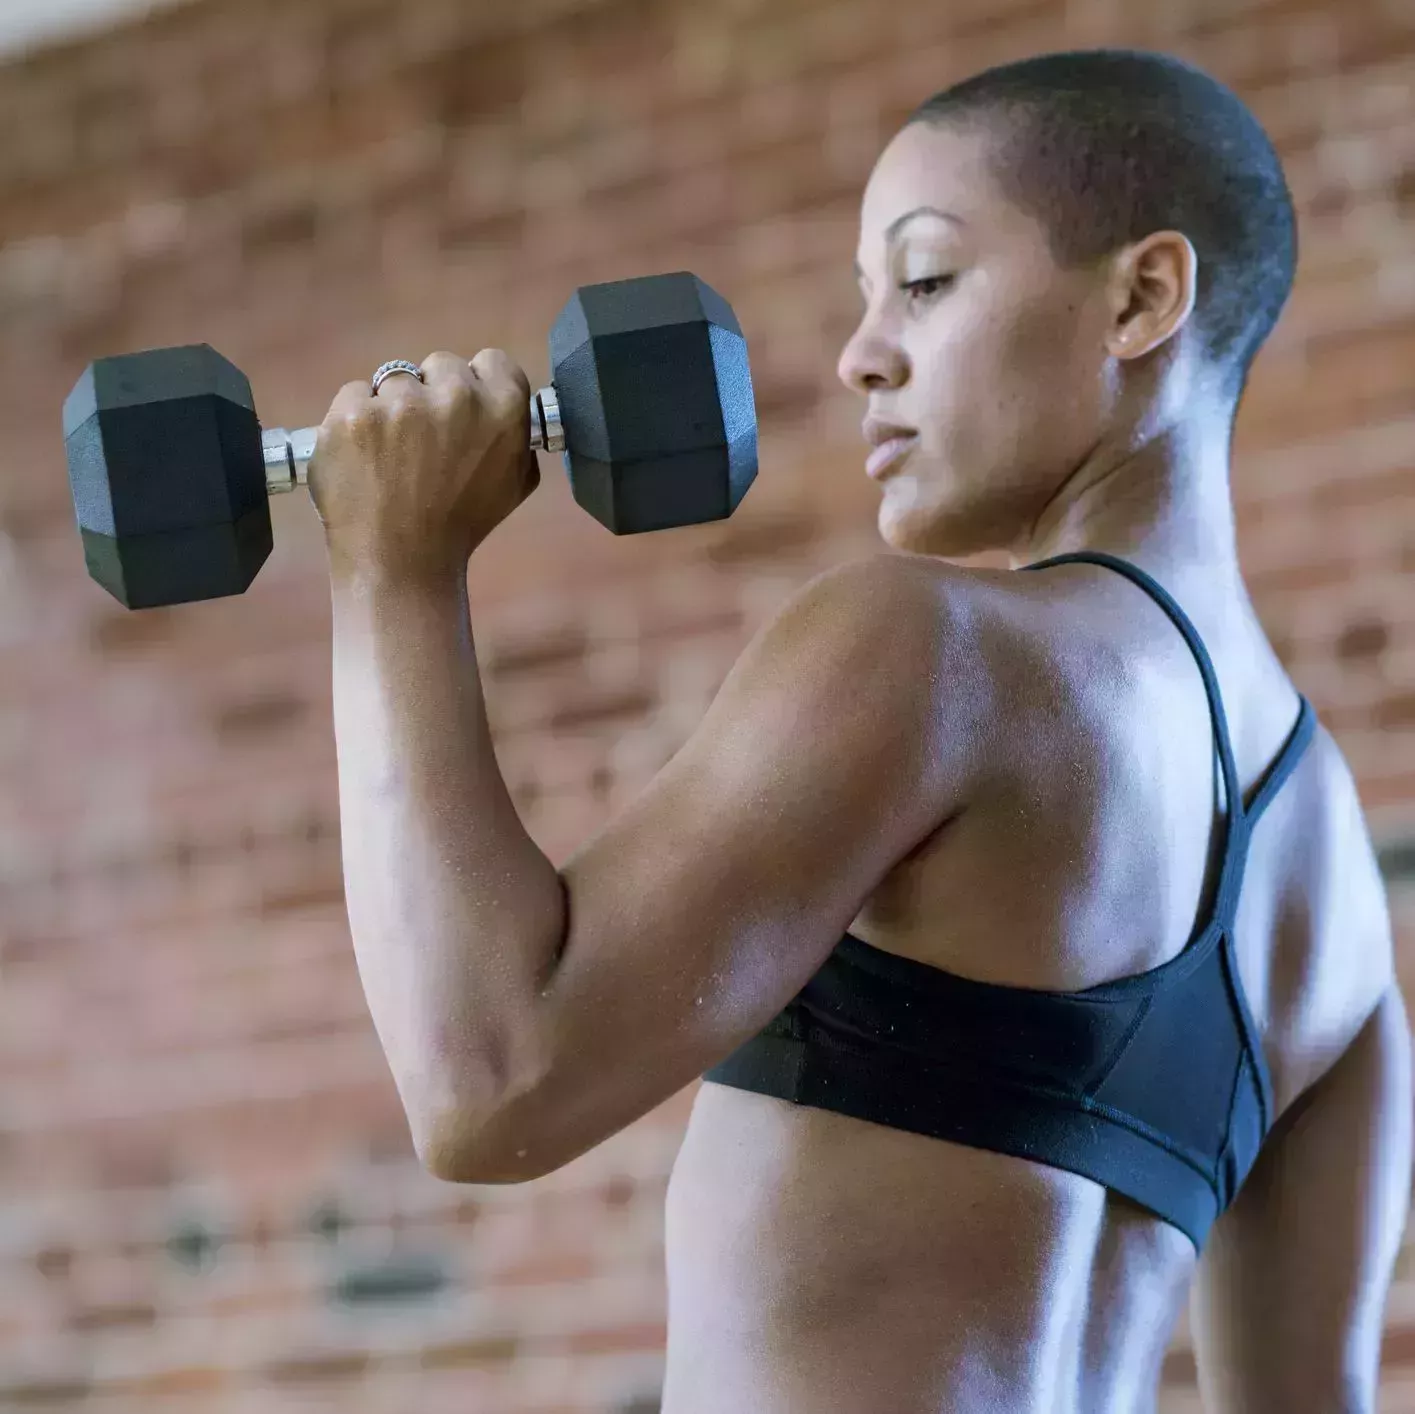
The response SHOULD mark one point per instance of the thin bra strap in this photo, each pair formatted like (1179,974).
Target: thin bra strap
(1285,762)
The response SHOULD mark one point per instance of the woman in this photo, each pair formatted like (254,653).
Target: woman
(1019,1020)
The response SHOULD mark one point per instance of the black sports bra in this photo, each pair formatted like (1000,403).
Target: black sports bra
(1153,1085)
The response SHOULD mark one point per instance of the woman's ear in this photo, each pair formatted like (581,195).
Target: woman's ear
(1153,287)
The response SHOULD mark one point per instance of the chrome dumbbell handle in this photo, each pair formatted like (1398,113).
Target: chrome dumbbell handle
(288,454)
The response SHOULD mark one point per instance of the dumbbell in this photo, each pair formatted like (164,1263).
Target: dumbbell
(650,404)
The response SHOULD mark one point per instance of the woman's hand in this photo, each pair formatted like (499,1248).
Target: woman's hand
(412,479)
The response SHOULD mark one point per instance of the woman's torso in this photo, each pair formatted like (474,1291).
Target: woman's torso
(818,1263)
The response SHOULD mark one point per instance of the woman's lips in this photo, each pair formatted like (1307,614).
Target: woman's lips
(888,455)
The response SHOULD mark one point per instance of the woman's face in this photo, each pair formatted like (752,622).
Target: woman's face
(998,357)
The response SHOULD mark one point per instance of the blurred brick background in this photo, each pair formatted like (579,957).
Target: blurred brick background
(210,1201)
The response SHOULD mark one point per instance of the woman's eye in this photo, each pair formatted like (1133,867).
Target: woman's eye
(924,285)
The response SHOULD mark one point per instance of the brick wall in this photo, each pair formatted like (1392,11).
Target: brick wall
(210,1201)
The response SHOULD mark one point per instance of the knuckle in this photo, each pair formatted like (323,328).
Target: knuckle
(456,390)
(506,402)
(359,424)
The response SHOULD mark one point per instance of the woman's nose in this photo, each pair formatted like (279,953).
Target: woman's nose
(869,362)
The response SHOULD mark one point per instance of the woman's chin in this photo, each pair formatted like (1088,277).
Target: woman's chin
(906,522)
(918,528)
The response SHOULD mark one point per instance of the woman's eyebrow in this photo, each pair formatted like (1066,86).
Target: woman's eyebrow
(892,231)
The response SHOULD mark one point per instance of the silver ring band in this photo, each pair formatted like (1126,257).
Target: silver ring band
(396,365)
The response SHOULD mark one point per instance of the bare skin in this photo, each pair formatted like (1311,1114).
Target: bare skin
(816,1262)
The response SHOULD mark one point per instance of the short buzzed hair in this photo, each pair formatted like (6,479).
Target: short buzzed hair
(1107,146)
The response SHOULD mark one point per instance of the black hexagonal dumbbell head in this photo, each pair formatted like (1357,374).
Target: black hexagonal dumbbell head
(656,396)
(168,476)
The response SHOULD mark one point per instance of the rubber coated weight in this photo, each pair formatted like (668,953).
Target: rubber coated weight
(167,476)
(656,396)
